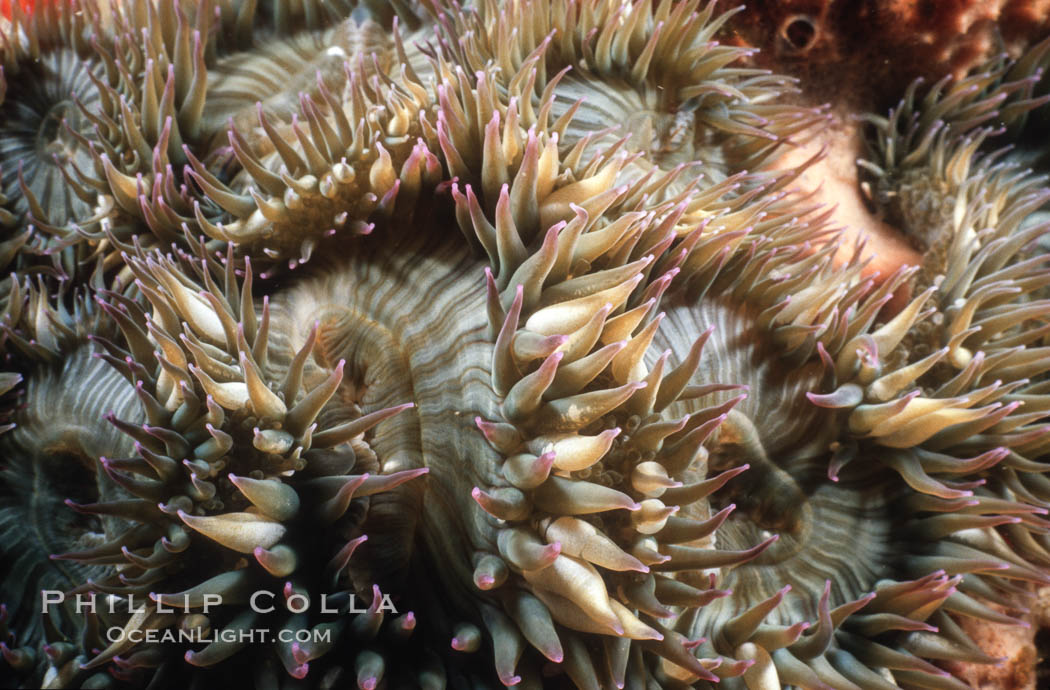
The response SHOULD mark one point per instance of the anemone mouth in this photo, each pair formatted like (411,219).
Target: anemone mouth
(48,466)
(44,134)
(277,71)
(830,525)
(52,139)
(667,124)
(69,473)
(649,120)
(397,346)
(840,531)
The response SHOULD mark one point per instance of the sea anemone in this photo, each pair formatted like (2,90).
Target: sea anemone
(571,382)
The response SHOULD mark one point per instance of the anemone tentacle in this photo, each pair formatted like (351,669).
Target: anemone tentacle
(572,384)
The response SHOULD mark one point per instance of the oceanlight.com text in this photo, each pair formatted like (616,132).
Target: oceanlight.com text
(256,636)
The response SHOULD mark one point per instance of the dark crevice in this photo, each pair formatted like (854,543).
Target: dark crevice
(1042,664)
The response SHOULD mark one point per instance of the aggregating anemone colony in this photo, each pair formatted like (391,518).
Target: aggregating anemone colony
(505,330)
